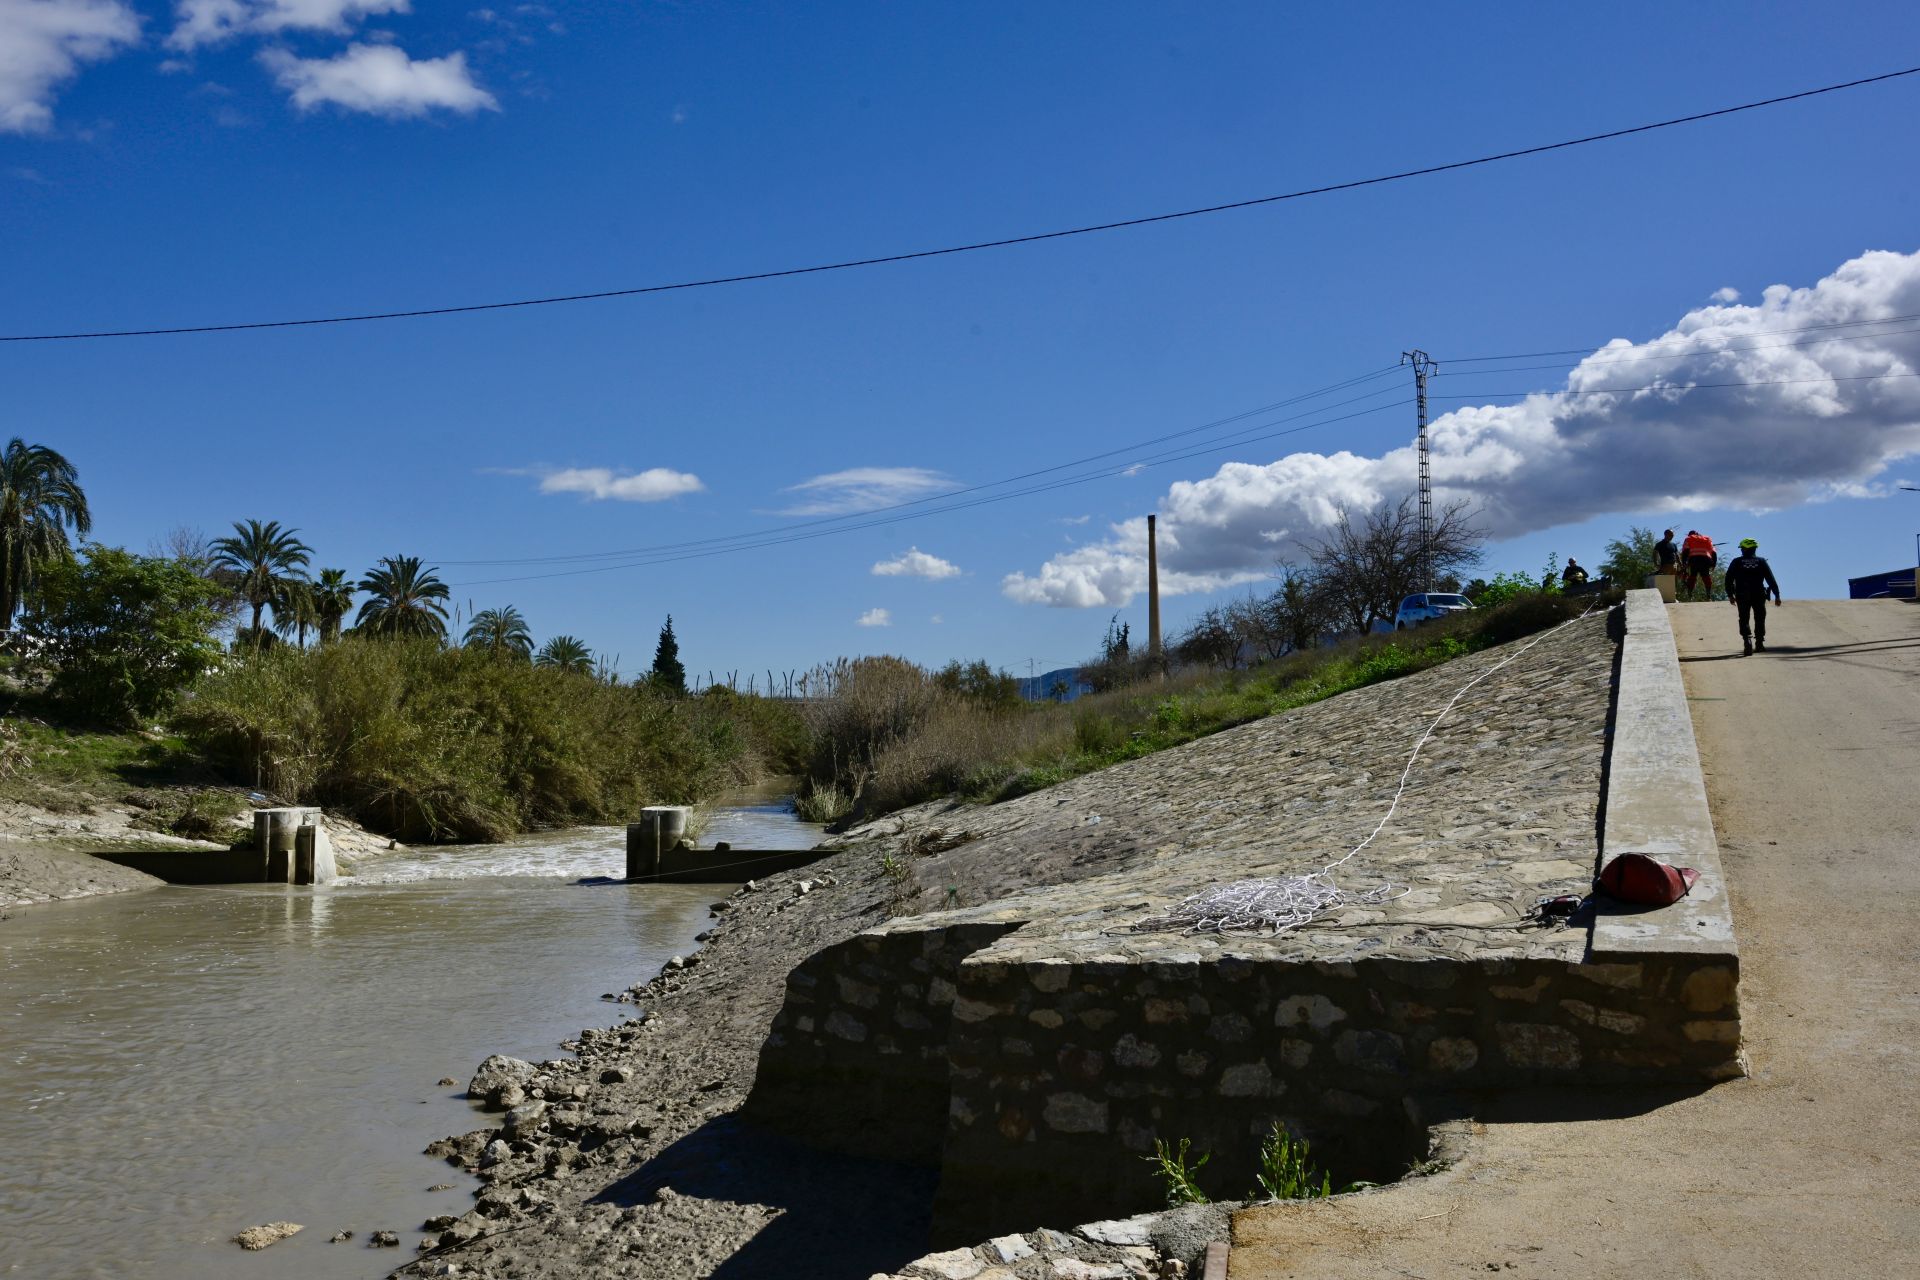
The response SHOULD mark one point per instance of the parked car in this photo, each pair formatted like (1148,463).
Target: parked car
(1415,610)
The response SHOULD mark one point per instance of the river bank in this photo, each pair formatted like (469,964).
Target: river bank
(30,875)
(635,1162)
(49,855)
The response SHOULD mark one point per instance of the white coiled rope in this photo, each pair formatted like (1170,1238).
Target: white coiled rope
(1272,905)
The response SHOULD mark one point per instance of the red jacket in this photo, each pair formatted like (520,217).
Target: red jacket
(1697,544)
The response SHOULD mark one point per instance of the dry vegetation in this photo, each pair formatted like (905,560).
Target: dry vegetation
(892,734)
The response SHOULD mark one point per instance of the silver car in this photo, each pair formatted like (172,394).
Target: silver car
(1415,610)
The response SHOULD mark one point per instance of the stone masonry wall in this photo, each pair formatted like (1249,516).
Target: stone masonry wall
(856,1060)
(1064,1072)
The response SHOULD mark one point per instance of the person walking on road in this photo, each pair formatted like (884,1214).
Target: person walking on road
(1749,578)
(1699,556)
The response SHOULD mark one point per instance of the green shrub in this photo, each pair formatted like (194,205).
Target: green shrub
(430,743)
(124,634)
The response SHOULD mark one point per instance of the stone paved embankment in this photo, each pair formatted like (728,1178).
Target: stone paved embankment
(1037,1046)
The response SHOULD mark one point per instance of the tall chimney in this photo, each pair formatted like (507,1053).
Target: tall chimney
(1153,594)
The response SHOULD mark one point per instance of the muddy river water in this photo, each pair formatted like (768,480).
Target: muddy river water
(178,1064)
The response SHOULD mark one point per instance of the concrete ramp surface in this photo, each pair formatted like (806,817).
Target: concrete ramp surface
(1810,752)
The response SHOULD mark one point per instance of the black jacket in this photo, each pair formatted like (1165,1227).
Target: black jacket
(1750,578)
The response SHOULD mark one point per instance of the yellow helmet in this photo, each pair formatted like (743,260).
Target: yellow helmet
(1748,544)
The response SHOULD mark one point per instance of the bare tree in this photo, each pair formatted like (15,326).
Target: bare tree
(1364,568)
(1300,611)
(1208,641)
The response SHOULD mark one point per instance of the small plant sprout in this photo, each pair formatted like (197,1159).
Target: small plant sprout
(1180,1179)
(1286,1173)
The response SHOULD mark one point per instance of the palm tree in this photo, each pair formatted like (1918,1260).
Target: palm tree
(296,609)
(567,653)
(332,598)
(501,632)
(39,496)
(261,558)
(406,600)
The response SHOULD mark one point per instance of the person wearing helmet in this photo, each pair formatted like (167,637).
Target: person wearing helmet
(1749,578)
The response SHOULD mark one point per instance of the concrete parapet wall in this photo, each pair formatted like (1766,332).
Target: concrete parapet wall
(1657,801)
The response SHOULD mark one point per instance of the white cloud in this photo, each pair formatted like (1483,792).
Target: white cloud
(43,43)
(1625,435)
(915,563)
(863,489)
(203,22)
(1724,296)
(875,618)
(652,485)
(936,619)
(379,79)
(1075,519)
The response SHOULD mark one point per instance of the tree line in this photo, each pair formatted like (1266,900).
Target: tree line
(123,633)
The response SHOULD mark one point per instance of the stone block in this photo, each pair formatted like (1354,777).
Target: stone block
(1709,990)
(1050,976)
(1539,1046)
(1130,1051)
(1370,1051)
(844,1026)
(1453,1053)
(954,1264)
(1315,1011)
(1247,1080)
(1009,1248)
(968,1010)
(1074,1113)
(859,994)
(1721,1031)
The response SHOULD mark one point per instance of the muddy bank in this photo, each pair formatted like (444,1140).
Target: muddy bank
(48,855)
(32,875)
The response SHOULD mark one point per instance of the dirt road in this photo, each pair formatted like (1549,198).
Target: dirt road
(1808,1167)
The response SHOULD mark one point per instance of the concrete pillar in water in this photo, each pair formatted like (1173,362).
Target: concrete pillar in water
(274,834)
(313,855)
(660,828)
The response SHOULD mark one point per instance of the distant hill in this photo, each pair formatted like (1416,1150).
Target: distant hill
(1040,688)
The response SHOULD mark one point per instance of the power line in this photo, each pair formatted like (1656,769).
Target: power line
(1290,401)
(1589,363)
(1688,337)
(1148,463)
(977,246)
(1677,386)
(674,553)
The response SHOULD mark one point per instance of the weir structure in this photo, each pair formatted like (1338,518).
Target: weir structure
(1035,1048)
(290,846)
(658,852)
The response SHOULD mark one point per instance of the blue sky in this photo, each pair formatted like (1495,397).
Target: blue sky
(259,159)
